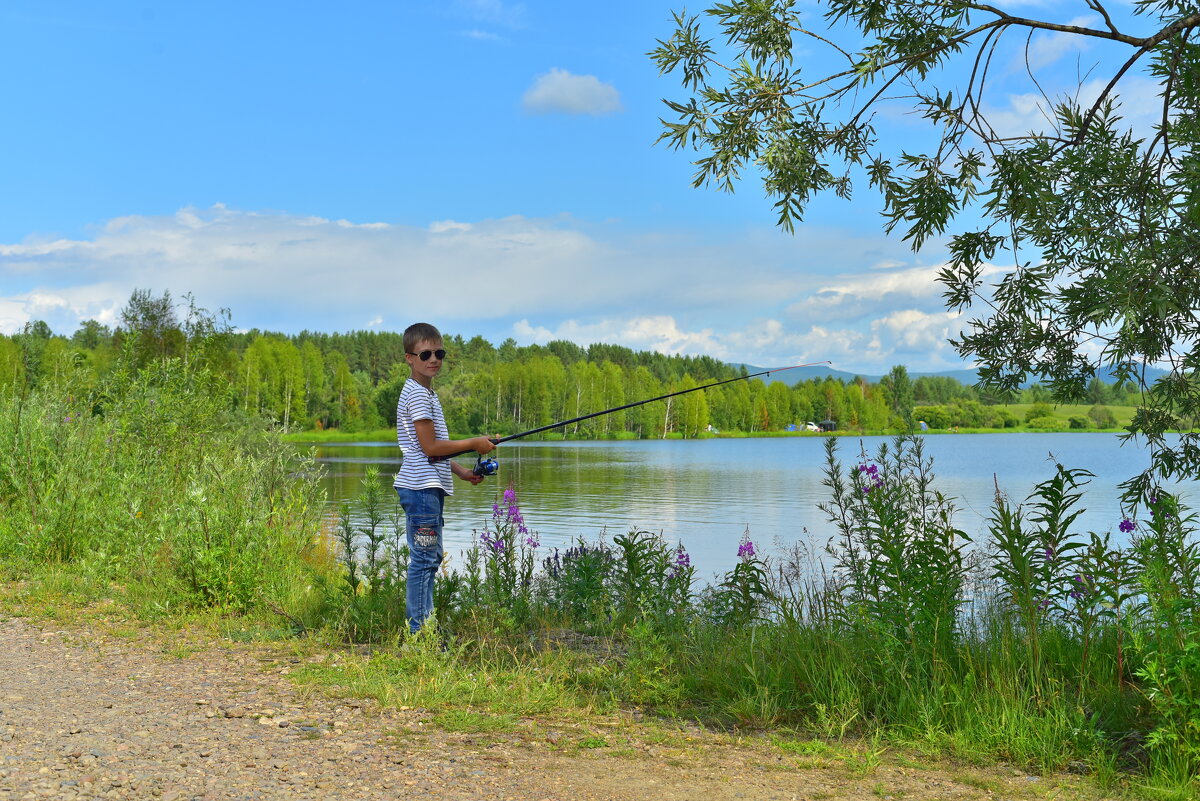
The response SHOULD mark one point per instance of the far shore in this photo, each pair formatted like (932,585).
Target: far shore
(387,435)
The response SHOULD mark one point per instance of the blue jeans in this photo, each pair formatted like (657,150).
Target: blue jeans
(423,525)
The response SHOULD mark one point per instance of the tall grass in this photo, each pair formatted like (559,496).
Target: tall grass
(1031,642)
(151,480)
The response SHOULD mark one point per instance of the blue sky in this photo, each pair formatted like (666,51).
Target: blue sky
(486,165)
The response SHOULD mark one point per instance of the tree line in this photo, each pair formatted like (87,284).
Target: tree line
(350,381)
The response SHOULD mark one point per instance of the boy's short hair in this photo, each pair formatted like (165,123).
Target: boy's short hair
(420,332)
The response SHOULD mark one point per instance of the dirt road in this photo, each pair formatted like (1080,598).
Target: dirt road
(125,716)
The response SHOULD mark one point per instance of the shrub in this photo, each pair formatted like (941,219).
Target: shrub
(1038,410)
(1046,423)
(1003,418)
(1102,417)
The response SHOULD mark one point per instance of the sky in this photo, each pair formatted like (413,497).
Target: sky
(485,165)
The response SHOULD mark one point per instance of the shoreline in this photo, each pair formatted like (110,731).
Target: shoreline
(335,436)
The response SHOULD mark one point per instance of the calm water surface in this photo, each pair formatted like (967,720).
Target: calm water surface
(706,493)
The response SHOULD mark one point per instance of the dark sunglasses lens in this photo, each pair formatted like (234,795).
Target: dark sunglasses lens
(425,354)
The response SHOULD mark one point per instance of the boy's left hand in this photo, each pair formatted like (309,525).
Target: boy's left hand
(465,474)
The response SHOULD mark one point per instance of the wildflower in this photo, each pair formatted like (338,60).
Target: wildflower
(871,478)
(682,563)
(510,496)
(1126,525)
(492,541)
(746,548)
(532,541)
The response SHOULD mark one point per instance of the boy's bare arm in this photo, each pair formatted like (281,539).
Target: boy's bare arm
(465,474)
(435,447)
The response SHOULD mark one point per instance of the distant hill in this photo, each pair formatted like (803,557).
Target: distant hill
(965,376)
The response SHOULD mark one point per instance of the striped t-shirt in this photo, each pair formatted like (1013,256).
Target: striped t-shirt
(418,403)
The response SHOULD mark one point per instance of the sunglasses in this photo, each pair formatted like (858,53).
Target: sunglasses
(425,354)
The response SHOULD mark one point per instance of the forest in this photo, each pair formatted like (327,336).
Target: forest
(315,381)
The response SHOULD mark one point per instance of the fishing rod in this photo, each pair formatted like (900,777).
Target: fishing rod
(489,467)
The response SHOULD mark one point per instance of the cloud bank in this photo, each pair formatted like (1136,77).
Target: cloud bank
(759,297)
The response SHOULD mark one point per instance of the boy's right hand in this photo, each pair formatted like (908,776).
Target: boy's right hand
(483,445)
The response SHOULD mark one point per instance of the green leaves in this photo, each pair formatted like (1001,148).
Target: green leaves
(1102,225)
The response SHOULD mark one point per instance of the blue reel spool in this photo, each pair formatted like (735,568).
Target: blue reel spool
(486,467)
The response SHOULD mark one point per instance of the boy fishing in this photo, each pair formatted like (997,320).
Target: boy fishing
(424,479)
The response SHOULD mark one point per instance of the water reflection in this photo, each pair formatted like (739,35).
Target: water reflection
(706,493)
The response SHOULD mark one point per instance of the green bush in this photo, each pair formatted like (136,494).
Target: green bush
(1038,410)
(934,416)
(1102,417)
(1046,423)
(1003,418)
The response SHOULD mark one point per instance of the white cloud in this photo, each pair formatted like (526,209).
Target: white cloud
(904,336)
(1047,48)
(914,331)
(850,297)
(755,297)
(63,309)
(560,91)
(448,225)
(657,332)
(1139,99)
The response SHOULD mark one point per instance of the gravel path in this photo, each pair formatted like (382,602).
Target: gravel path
(97,715)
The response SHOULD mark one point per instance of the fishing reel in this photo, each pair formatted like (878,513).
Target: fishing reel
(485,467)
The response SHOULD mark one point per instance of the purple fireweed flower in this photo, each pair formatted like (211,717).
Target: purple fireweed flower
(871,477)
(746,549)
(1076,594)
(510,496)
(532,541)
(1126,525)
(495,510)
(1045,603)
(682,563)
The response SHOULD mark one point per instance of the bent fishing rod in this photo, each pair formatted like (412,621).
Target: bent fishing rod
(489,467)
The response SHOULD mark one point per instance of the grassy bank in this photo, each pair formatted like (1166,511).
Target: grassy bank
(150,483)
(1039,645)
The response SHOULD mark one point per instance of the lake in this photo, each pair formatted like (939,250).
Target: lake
(706,493)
